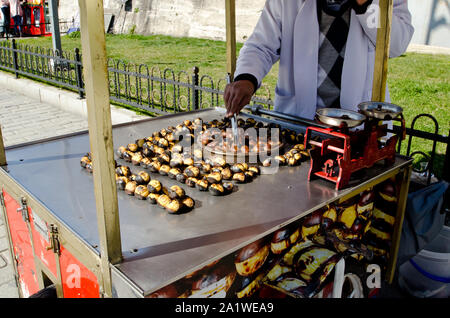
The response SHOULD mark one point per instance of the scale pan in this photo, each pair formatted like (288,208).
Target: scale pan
(337,117)
(378,110)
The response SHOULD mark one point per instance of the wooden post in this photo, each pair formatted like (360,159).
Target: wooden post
(100,135)
(230,8)
(382,51)
(2,149)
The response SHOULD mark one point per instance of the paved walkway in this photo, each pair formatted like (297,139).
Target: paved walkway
(24,120)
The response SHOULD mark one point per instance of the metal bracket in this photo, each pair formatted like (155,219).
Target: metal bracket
(54,240)
(24,210)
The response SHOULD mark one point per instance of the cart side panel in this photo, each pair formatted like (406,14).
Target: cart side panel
(347,229)
(41,242)
(23,251)
(77,280)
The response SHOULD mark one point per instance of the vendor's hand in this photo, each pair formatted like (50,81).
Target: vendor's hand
(237,96)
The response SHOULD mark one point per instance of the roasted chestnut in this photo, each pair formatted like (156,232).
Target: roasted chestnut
(145,163)
(132,147)
(181,177)
(217,169)
(188,202)
(164,170)
(202,185)
(141,192)
(176,192)
(140,143)
(228,187)
(240,177)
(156,134)
(177,149)
(189,161)
(219,162)
(216,189)
(237,168)
(163,143)
(205,169)
(191,182)
(174,172)
(267,162)
(130,187)
(214,177)
(173,206)
(281,160)
(249,176)
(155,166)
(120,151)
(199,164)
(127,155)
(123,171)
(122,182)
(292,162)
(176,162)
(84,161)
(163,200)
(153,198)
(198,154)
(89,167)
(255,170)
(299,146)
(142,178)
(147,149)
(164,158)
(191,171)
(226,174)
(154,186)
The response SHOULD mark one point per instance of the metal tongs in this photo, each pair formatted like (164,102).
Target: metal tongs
(234,126)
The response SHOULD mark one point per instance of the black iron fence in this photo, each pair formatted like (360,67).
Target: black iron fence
(148,88)
(162,91)
(59,68)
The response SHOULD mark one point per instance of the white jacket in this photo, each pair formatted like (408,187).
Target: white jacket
(288,31)
(15,7)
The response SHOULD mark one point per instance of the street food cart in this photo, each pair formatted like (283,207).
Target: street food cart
(64,226)
(35,18)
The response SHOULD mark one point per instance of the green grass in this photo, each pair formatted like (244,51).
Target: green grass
(419,83)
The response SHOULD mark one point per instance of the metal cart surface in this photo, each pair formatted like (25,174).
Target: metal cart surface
(158,248)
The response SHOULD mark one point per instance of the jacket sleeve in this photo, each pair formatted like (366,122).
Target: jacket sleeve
(401,30)
(262,49)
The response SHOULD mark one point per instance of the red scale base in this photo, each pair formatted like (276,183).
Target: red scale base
(341,152)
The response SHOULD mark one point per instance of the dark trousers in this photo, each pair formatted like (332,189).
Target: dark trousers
(17,24)
(6,20)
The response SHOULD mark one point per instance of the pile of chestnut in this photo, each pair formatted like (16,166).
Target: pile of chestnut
(163,153)
(143,187)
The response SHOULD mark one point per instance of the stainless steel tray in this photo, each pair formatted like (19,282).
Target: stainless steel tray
(159,248)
